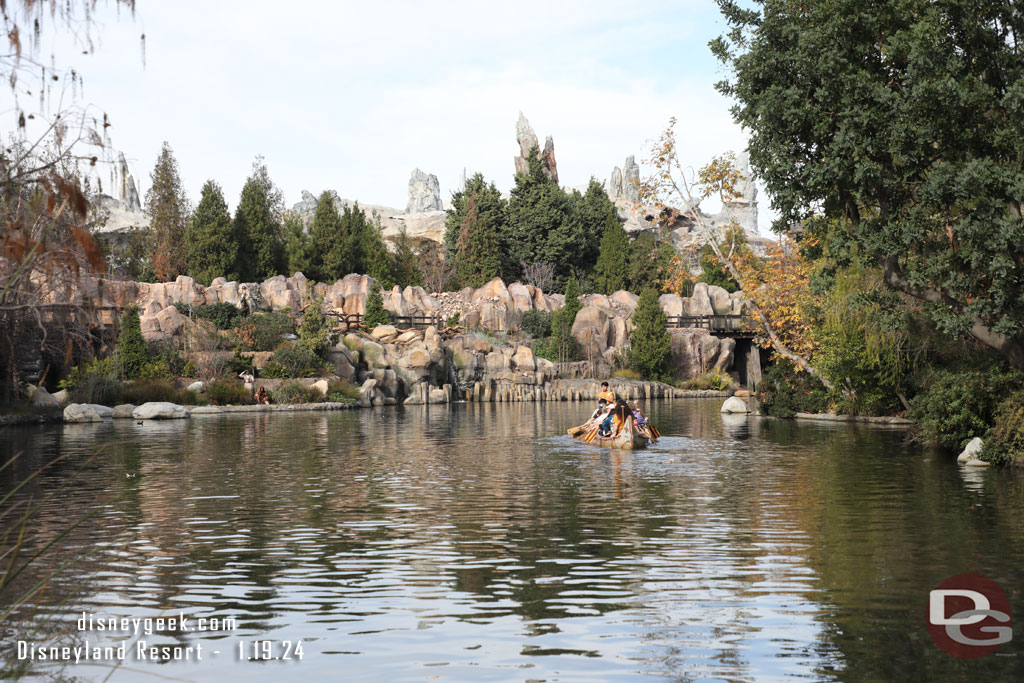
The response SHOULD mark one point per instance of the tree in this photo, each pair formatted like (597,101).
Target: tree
(314,333)
(331,250)
(212,243)
(375,312)
(611,272)
(715,273)
(478,248)
(650,350)
(899,123)
(537,210)
(562,340)
(168,209)
(489,224)
(650,263)
(405,266)
(258,227)
(437,271)
(298,247)
(575,246)
(131,346)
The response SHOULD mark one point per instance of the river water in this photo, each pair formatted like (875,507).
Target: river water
(478,542)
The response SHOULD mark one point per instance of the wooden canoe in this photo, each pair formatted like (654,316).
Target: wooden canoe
(629,438)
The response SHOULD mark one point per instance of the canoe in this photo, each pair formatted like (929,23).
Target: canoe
(629,438)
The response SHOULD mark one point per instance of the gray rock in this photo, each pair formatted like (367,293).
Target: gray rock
(971,450)
(734,404)
(159,410)
(198,387)
(61,396)
(424,193)
(977,463)
(205,410)
(127,191)
(123,411)
(41,398)
(82,412)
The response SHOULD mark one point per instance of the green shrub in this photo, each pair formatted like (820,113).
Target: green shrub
(94,366)
(956,405)
(263,331)
(224,316)
(542,348)
(453,320)
(297,361)
(783,391)
(225,391)
(98,388)
(155,369)
(168,354)
(1005,443)
(314,333)
(375,314)
(536,323)
(146,390)
(239,363)
(716,380)
(340,391)
(273,370)
(132,351)
(295,392)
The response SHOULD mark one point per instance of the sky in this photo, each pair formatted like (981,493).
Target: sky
(352,96)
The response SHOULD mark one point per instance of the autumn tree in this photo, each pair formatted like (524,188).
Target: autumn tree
(169,213)
(258,227)
(899,124)
(212,243)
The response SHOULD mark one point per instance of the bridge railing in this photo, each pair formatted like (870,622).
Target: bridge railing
(417,321)
(713,323)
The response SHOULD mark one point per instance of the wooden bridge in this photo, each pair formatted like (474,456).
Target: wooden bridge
(350,320)
(718,325)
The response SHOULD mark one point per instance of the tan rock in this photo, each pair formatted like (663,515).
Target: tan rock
(625,299)
(523,359)
(494,288)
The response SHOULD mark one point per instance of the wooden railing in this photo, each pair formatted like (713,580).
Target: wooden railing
(418,321)
(734,324)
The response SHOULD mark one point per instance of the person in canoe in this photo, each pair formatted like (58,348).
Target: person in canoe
(606,395)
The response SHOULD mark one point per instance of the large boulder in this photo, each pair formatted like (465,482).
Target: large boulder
(123,411)
(41,398)
(523,359)
(699,303)
(160,410)
(591,328)
(734,404)
(721,301)
(494,289)
(971,450)
(522,300)
(83,412)
(627,300)
(671,304)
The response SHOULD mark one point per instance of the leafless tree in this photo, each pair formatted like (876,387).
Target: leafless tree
(437,271)
(540,274)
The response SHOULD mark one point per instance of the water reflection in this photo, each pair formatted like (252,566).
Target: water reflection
(478,542)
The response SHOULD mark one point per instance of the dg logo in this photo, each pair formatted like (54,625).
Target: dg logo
(969,616)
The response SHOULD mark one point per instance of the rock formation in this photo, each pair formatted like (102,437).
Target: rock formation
(624,182)
(127,192)
(424,193)
(527,140)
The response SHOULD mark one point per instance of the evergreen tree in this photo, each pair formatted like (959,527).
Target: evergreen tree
(314,333)
(714,272)
(575,245)
(650,263)
(650,352)
(168,209)
(331,249)
(478,253)
(490,223)
(212,243)
(258,227)
(298,247)
(612,270)
(375,314)
(537,208)
(131,346)
(562,321)
(376,259)
(405,262)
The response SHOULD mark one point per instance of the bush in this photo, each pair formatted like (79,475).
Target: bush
(263,331)
(536,323)
(296,361)
(453,320)
(239,363)
(295,392)
(103,389)
(716,380)
(273,370)
(144,391)
(957,405)
(224,316)
(1005,443)
(783,391)
(375,314)
(224,392)
(95,366)
(167,354)
(314,333)
(542,348)
(155,369)
(340,391)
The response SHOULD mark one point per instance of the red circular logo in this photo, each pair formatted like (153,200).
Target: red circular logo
(969,616)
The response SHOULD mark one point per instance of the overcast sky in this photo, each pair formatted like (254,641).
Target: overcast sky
(352,96)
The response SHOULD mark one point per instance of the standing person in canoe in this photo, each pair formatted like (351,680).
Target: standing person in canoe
(606,394)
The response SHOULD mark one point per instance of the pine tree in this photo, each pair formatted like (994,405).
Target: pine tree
(298,247)
(536,209)
(612,270)
(375,312)
(650,342)
(258,227)
(490,223)
(212,243)
(562,321)
(478,253)
(574,246)
(650,263)
(331,256)
(168,209)
(405,262)
(131,346)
